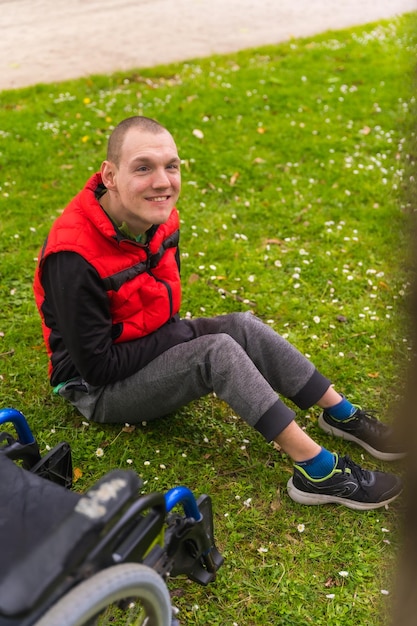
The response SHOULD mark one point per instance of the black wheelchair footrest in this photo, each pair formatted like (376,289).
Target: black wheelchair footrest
(191,546)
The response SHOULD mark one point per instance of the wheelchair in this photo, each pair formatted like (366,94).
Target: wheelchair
(101,557)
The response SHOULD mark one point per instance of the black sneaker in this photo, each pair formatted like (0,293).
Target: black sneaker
(347,484)
(377,438)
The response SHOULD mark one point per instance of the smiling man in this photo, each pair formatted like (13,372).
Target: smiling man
(141,176)
(108,290)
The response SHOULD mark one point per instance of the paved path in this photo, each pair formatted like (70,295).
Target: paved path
(50,40)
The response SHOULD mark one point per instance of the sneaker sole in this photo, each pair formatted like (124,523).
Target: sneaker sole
(336,432)
(303,497)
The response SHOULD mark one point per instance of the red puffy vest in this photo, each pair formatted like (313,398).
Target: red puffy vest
(142,281)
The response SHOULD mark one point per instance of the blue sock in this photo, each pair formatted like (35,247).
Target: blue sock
(343,410)
(319,466)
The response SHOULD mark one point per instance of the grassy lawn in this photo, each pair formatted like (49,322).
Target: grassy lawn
(296,162)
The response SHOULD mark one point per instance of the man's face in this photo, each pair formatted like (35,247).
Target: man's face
(144,187)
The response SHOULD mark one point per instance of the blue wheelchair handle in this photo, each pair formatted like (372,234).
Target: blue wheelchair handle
(20,424)
(184,496)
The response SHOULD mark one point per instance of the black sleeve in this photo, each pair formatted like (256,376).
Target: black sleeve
(77,310)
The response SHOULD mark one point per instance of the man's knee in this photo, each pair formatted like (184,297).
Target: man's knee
(223,349)
(222,341)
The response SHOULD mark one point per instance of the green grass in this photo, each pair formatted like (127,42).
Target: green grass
(294,206)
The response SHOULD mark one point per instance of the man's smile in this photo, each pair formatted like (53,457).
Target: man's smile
(158,199)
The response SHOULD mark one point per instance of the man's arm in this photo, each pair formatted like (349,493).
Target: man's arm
(77,309)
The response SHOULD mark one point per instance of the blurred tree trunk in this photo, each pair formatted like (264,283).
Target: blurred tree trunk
(405,598)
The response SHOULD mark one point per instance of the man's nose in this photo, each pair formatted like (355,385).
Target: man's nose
(161,179)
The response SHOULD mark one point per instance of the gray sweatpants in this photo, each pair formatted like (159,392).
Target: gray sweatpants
(237,356)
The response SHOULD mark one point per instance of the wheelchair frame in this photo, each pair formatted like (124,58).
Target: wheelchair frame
(108,542)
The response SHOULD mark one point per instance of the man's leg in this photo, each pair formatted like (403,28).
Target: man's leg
(287,371)
(210,363)
(319,476)
(295,377)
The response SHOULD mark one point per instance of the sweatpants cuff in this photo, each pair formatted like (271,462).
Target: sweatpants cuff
(312,391)
(273,422)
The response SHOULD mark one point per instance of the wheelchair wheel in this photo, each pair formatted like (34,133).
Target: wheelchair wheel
(127,594)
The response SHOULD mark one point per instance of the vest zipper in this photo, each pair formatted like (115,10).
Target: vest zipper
(158,280)
(163,282)
(169,291)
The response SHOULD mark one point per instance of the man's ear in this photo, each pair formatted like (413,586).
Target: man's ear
(108,174)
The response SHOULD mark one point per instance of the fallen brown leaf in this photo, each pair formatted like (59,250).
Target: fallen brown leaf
(77,474)
(193,278)
(234,178)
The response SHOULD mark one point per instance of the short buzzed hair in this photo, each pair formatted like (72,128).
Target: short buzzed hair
(116,138)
